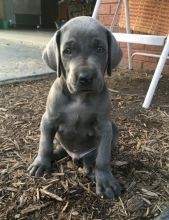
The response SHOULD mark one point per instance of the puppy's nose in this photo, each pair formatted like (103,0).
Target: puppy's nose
(86,77)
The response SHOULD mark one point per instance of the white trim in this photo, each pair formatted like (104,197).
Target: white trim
(96,9)
(155,40)
(147,55)
(157,75)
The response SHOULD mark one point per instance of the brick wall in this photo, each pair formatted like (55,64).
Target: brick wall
(106,12)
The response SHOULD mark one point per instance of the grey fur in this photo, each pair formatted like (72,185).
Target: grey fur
(78,106)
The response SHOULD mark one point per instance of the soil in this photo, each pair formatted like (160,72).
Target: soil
(140,163)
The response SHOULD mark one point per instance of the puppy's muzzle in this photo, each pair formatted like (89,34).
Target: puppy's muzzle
(86,78)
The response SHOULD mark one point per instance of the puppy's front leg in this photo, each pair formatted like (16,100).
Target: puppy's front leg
(43,160)
(106,183)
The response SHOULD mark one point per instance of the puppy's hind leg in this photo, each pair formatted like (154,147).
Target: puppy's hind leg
(59,153)
(90,159)
(89,164)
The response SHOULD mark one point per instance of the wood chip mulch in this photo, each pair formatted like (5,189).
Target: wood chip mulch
(141,162)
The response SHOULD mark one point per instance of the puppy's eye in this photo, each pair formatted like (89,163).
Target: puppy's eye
(67,51)
(100,49)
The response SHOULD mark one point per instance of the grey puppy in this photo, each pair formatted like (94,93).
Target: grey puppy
(78,106)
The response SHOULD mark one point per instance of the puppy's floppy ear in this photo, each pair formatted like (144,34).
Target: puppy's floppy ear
(114,53)
(51,54)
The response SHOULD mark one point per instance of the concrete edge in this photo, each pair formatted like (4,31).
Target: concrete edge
(27,78)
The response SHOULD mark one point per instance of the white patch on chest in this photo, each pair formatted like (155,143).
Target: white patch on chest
(77,156)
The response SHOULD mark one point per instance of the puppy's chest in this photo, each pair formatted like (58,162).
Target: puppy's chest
(78,129)
(77,122)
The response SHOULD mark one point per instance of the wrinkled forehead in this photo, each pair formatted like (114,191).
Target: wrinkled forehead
(83,32)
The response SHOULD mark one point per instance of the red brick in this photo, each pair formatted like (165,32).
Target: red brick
(101,19)
(113,8)
(121,30)
(114,29)
(166,69)
(137,57)
(104,9)
(123,63)
(115,20)
(137,65)
(167,62)
(105,19)
(138,46)
(135,47)
(125,53)
(107,9)
(153,48)
(123,45)
(152,67)
(145,58)
(149,66)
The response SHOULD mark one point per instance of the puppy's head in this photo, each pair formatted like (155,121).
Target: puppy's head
(82,51)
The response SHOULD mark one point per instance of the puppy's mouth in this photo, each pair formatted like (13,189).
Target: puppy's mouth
(96,88)
(76,89)
(85,90)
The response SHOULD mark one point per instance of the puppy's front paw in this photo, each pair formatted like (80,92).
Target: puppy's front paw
(106,185)
(39,166)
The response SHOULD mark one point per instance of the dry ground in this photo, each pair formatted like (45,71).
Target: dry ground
(141,162)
